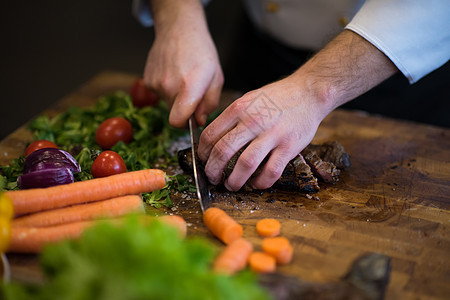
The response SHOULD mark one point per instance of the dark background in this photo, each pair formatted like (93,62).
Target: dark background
(50,48)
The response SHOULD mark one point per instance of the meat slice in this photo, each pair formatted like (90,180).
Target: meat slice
(298,176)
(326,171)
(332,152)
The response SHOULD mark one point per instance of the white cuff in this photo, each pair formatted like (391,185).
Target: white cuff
(414,34)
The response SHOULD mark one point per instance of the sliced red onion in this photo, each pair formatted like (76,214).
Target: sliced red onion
(50,158)
(45,178)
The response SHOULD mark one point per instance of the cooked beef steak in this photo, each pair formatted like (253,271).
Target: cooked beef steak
(300,174)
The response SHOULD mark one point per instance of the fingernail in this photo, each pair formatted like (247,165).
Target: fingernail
(202,120)
(227,186)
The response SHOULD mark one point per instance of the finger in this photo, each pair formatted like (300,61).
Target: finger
(165,87)
(186,101)
(248,162)
(224,149)
(210,100)
(225,122)
(273,169)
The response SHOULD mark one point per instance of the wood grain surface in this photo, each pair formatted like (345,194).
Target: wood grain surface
(394,200)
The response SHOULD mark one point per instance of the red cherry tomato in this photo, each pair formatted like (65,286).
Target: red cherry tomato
(39,144)
(141,95)
(112,131)
(108,163)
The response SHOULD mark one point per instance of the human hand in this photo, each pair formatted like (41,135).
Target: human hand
(183,66)
(277,120)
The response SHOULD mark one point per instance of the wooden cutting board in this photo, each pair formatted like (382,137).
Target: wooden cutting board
(394,200)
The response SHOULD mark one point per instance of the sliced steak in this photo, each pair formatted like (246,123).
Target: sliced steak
(326,171)
(332,152)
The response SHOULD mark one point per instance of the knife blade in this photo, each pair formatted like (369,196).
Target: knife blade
(201,182)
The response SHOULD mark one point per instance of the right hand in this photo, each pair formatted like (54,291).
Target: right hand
(183,68)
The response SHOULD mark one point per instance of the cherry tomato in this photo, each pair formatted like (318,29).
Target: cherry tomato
(39,144)
(141,95)
(112,131)
(108,163)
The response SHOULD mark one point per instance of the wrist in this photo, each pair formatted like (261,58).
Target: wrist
(318,92)
(177,15)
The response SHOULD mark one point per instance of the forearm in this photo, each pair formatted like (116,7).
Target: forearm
(347,67)
(177,15)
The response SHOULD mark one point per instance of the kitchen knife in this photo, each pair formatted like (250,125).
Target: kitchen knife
(201,182)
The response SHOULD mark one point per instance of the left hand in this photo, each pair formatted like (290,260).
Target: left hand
(277,120)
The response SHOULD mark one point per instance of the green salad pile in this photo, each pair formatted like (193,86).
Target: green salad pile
(74,131)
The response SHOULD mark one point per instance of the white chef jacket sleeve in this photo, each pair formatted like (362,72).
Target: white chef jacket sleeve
(141,11)
(414,34)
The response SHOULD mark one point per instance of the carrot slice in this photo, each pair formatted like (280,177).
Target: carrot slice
(268,227)
(261,262)
(130,183)
(278,247)
(114,207)
(222,225)
(234,257)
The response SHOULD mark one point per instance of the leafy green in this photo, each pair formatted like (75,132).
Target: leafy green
(179,182)
(134,261)
(74,131)
(10,174)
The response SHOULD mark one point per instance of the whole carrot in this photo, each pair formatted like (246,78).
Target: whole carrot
(109,208)
(234,257)
(176,221)
(130,183)
(222,225)
(32,239)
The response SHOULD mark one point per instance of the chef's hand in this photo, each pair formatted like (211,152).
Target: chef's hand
(183,66)
(277,120)
(280,119)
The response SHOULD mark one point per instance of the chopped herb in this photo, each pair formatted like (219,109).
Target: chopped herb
(179,182)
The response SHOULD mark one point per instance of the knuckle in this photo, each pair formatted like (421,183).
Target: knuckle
(207,138)
(165,84)
(221,151)
(248,161)
(274,169)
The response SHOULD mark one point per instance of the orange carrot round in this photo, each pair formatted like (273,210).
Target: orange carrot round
(279,247)
(176,221)
(268,227)
(234,257)
(130,183)
(222,225)
(114,207)
(261,262)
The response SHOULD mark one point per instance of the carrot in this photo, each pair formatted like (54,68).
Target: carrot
(176,221)
(222,225)
(279,247)
(268,227)
(234,257)
(114,207)
(32,239)
(261,262)
(135,182)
